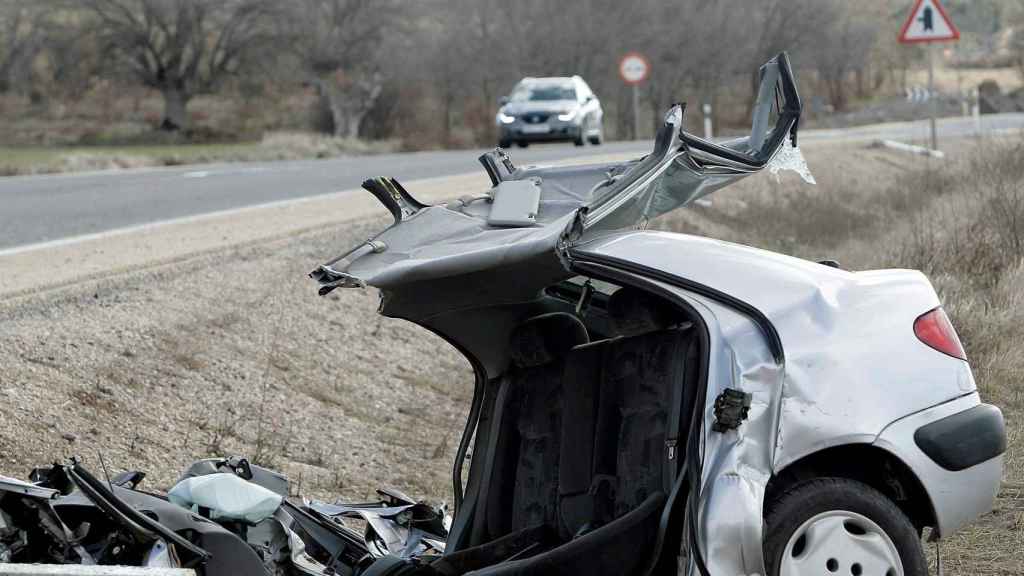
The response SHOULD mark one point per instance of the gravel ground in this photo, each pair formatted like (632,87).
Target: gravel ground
(232,352)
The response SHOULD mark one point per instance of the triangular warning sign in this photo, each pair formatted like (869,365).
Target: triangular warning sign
(928,22)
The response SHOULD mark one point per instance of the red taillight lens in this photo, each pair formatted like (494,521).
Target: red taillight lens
(934,329)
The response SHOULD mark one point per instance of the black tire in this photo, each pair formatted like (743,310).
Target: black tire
(805,500)
(596,140)
(504,144)
(523,144)
(578,141)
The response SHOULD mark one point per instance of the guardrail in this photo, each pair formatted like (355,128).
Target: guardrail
(75,570)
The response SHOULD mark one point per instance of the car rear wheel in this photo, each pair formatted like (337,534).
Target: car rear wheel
(504,143)
(840,526)
(523,144)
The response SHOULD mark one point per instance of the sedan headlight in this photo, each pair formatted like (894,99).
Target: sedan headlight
(567,116)
(505,118)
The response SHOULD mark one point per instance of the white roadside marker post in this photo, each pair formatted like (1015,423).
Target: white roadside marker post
(707,121)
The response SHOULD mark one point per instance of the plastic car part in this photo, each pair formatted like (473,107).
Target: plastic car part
(964,439)
(934,329)
(269,479)
(498,165)
(516,203)
(731,408)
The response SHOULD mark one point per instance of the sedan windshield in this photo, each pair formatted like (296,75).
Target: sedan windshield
(544,92)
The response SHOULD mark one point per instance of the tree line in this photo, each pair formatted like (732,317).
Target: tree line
(437,68)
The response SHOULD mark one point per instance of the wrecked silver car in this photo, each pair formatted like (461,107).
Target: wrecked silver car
(645,402)
(650,402)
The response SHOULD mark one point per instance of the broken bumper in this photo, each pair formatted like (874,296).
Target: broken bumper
(957,495)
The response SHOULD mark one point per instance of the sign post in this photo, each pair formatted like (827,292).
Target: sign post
(634,69)
(929,23)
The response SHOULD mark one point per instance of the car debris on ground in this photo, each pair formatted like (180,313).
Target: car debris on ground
(224,516)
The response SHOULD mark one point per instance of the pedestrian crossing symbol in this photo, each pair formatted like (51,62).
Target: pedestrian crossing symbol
(928,22)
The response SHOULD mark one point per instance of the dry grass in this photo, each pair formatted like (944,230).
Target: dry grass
(273,146)
(963,225)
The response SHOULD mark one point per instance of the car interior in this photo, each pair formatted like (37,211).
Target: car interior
(580,440)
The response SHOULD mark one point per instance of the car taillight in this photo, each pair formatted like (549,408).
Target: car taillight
(934,329)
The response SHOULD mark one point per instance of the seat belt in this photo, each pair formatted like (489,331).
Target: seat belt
(671,470)
(604,481)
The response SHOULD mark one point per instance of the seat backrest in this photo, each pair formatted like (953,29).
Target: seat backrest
(523,490)
(617,400)
(580,400)
(638,389)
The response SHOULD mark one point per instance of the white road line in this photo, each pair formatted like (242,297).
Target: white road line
(160,223)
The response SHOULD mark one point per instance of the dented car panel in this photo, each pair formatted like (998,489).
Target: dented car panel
(831,355)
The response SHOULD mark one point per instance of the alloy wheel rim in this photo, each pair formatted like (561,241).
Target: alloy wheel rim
(843,543)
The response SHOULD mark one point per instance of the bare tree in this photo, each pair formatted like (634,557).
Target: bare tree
(1017,42)
(842,49)
(183,47)
(21,39)
(337,43)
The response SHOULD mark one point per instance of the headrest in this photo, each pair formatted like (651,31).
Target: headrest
(545,338)
(636,312)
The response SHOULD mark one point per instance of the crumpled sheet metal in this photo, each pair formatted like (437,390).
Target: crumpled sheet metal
(398,536)
(830,352)
(795,409)
(738,463)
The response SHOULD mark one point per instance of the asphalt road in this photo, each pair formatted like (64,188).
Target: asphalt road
(37,209)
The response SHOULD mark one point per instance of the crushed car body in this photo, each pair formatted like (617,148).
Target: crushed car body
(644,403)
(224,516)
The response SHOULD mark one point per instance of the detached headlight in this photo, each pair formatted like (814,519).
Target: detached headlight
(505,118)
(567,116)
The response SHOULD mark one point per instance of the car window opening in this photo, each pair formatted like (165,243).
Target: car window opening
(585,449)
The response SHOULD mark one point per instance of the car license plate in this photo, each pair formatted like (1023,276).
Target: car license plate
(536,129)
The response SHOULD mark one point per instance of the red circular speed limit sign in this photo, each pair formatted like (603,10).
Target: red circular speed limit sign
(634,68)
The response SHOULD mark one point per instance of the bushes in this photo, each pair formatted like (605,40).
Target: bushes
(971,244)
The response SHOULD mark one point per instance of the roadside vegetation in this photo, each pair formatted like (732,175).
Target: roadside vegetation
(208,80)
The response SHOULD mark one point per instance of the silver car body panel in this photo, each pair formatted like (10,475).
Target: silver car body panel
(833,388)
(846,379)
(739,464)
